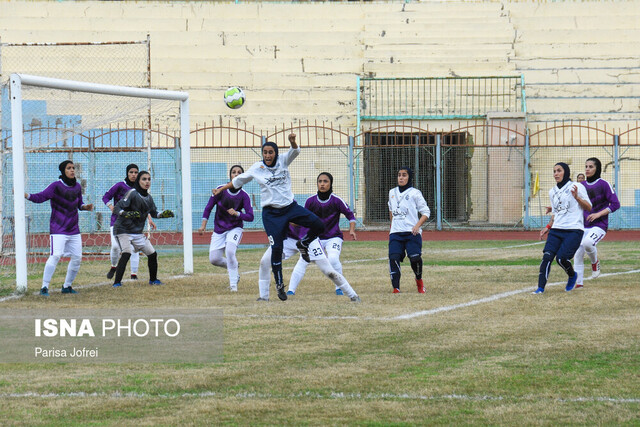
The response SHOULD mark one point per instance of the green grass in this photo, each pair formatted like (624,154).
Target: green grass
(558,358)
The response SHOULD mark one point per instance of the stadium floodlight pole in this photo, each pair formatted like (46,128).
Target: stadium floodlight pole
(19,80)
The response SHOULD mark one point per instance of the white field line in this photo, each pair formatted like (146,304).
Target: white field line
(494,298)
(321,396)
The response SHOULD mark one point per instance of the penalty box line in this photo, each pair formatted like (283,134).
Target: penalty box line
(331,395)
(492,298)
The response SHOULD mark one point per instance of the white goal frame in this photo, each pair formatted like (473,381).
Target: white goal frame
(18,156)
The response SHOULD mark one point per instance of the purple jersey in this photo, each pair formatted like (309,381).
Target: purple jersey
(116,193)
(329,212)
(296,232)
(224,201)
(602,196)
(65,203)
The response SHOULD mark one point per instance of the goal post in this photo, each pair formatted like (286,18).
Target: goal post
(17,83)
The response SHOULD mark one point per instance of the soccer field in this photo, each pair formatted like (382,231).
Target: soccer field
(477,348)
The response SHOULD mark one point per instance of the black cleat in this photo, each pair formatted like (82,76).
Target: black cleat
(111,273)
(281,293)
(304,250)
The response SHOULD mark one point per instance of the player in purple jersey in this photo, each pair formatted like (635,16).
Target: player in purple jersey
(227,226)
(596,221)
(116,193)
(65,196)
(328,207)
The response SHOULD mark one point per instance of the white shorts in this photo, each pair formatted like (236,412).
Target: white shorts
(315,249)
(131,243)
(219,241)
(332,244)
(593,235)
(65,245)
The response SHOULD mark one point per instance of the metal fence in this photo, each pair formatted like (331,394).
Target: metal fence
(475,173)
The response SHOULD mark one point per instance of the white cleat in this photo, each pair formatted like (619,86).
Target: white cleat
(595,270)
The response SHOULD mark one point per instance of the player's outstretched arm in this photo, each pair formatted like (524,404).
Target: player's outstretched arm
(219,190)
(292,141)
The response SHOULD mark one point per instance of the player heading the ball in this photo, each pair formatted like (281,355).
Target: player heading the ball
(278,204)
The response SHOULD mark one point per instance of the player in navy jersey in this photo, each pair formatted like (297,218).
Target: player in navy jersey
(278,204)
(568,201)
(408,211)
(116,193)
(65,196)
(328,207)
(317,255)
(596,220)
(227,226)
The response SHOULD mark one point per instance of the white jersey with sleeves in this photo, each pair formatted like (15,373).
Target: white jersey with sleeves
(406,207)
(275,182)
(567,213)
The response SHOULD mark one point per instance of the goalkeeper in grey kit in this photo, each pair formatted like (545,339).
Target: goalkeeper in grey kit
(132,211)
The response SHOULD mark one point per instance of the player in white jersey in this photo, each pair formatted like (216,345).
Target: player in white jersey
(568,201)
(278,205)
(408,211)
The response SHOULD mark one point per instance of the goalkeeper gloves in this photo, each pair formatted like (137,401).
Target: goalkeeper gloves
(166,214)
(131,214)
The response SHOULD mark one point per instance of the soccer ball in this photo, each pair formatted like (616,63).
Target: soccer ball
(234,97)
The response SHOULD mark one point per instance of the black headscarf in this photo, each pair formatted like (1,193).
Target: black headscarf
(567,174)
(126,178)
(233,189)
(598,171)
(410,181)
(325,195)
(137,186)
(69,181)
(275,159)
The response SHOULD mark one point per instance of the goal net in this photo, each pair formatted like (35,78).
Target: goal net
(102,129)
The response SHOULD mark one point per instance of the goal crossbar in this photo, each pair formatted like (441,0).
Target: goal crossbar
(18,156)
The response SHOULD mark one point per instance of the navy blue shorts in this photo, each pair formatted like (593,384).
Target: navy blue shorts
(563,243)
(276,221)
(399,243)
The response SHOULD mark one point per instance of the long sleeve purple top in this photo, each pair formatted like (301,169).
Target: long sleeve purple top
(65,203)
(224,201)
(602,197)
(329,212)
(115,193)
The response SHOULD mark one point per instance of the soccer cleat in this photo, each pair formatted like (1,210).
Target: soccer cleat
(117,285)
(69,290)
(111,273)
(339,292)
(579,285)
(281,293)
(538,291)
(396,290)
(262,299)
(420,286)
(356,299)
(44,291)
(134,276)
(571,283)
(155,282)
(595,270)
(304,250)
(290,293)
